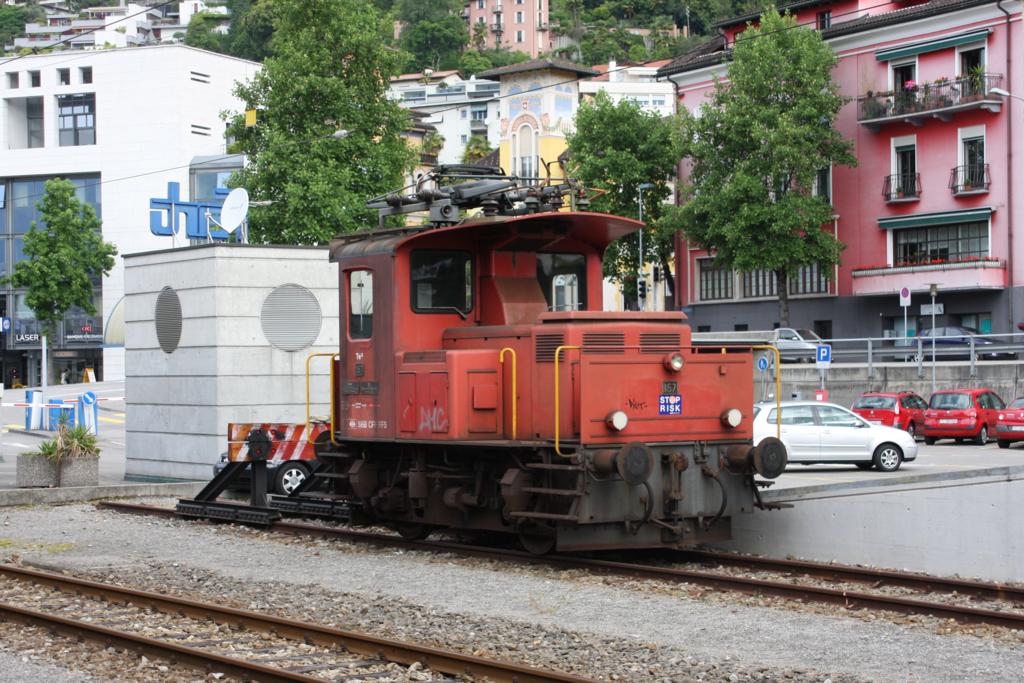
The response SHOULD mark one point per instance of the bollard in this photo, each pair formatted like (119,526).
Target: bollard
(34,411)
(974,370)
(920,358)
(871,367)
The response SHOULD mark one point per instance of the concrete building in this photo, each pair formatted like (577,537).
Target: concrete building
(637,82)
(121,124)
(220,333)
(457,109)
(935,197)
(520,25)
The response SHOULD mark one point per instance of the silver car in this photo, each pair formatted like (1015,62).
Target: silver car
(816,432)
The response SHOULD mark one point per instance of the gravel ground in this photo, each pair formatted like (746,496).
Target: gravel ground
(22,665)
(601,629)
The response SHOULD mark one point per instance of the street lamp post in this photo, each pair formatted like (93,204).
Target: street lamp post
(1005,93)
(640,234)
(933,289)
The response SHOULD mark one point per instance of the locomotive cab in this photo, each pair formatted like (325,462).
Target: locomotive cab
(480,385)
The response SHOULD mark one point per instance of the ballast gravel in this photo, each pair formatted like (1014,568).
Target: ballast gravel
(34,666)
(604,631)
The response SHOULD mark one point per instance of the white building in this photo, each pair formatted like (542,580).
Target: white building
(121,124)
(637,82)
(457,108)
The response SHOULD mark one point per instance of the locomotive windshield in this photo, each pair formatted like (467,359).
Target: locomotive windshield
(563,278)
(441,281)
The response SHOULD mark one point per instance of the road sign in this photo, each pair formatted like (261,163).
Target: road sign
(762,363)
(823,355)
(929,309)
(5,324)
(905,297)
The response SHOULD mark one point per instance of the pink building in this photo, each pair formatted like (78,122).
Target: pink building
(936,195)
(520,25)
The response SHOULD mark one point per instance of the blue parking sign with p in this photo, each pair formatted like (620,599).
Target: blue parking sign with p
(824,353)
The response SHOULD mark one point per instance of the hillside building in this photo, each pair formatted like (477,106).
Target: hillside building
(520,25)
(936,196)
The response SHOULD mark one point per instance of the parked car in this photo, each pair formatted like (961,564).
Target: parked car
(282,477)
(902,410)
(962,414)
(954,342)
(815,432)
(796,344)
(1010,426)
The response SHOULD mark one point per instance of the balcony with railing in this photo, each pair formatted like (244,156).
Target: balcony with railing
(972,179)
(918,102)
(902,187)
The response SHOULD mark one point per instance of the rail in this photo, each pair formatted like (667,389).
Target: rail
(309,419)
(515,396)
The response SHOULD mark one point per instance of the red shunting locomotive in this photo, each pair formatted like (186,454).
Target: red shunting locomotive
(480,386)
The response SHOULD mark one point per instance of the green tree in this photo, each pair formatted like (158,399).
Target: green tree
(252,27)
(329,71)
(756,149)
(472,62)
(12,22)
(416,11)
(435,44)
(201,32)
(616,148)
(64,254)
(477,147)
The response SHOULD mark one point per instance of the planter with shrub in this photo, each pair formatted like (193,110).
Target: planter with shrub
(69,459)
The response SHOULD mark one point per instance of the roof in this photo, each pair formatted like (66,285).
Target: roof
(437,75)
(715,51)
(537,65)
(603,69)
(542,230)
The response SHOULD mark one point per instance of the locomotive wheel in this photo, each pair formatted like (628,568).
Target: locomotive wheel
(413,531)
(537,539)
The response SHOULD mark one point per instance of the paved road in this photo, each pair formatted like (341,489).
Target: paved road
(111,425)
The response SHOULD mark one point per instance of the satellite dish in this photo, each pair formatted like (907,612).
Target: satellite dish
(234,210)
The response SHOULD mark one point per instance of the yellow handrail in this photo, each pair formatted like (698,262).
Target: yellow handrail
(309,420)
(558,352)
(778,388)
(515,396)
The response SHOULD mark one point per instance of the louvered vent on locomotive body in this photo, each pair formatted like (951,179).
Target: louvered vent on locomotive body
(546,345)
(659,342)
(604,342)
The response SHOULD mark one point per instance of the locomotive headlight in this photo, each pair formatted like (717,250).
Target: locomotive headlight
(616,420)
(731,418)
(674,362)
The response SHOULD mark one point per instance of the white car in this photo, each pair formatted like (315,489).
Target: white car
(816,432)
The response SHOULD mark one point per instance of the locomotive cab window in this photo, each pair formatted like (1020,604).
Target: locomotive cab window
(563,278)
(441,281)
(360,304)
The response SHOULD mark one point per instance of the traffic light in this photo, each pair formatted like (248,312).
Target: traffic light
(641,288)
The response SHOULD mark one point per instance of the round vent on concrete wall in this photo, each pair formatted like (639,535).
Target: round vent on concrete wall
(290,318)
(168,319)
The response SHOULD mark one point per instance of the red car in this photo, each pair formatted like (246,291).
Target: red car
(962,414)
(902,410)
(1011,423)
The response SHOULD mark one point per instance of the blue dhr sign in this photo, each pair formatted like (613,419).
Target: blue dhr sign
(165,216)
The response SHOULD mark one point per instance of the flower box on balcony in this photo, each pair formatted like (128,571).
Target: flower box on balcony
(922,266)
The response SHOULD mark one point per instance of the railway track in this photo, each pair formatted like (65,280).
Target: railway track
(1009,600)
(244,644)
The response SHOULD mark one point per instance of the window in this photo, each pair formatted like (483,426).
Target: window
(441,281)
(715,283)
(524,142)
(809,280)
(906,171)
(85,74)
(206,183)
(875,402)
(35,79)
(34,121)
(463,113)
(837,417)
(76,116)
(792,415)
(973,175)
(480,4)
(360,304)
(902,74)
(823,184)
(971,67)
(758,283)
(12,79)
(741,327)
(703,328)
(941,243)
(479,112)
(563,279)
(520,37)
(950,402)
(519,17)
(64,76)
(982,322)
(824,20)
(463,138)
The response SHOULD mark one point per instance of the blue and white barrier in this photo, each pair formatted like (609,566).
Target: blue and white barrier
(88,412)
(83,410)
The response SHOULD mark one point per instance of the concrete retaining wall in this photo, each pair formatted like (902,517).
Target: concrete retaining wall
(846,382)
(224,370)
(951,523)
